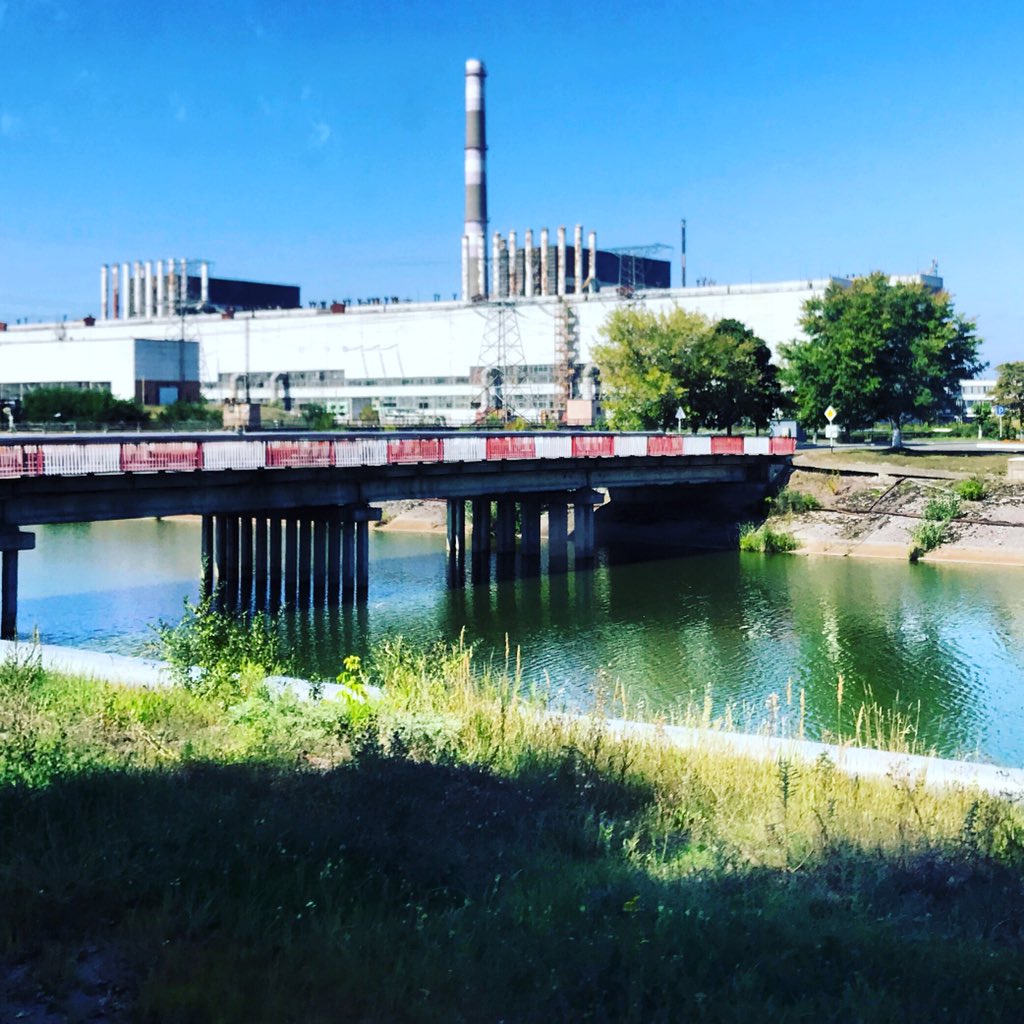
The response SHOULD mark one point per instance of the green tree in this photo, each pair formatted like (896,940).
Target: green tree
(732,379)
(183,411)
(652,364)
(880,351)
(645,365)
(78,405)
(1009,389)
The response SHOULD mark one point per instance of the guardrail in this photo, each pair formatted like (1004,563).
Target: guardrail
(60,457)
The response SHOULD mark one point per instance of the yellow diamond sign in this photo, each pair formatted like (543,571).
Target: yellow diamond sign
(830,414)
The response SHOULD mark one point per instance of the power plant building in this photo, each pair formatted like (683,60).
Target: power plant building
(519,341)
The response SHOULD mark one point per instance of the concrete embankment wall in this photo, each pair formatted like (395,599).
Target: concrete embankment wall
(855,761)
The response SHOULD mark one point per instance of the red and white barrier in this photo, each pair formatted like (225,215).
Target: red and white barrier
(82,458)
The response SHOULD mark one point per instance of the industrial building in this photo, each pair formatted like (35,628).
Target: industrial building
(519,341)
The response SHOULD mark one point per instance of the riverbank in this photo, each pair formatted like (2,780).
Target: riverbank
(869,509)
(449,855)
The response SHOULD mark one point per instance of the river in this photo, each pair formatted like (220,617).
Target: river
(749,631)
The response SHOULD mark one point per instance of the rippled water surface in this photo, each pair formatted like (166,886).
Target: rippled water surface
(739,627)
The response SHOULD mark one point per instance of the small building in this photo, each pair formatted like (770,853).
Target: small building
(974,392)
(149,370)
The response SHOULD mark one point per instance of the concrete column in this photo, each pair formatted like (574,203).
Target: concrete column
(9,595)
(260,576)
(207,549)
(529,536)
(333,559)
(245,559)
(456,526)
(544,253)
(348,561)
(305,560)
(558,533)
(481,539)
(505,527)
(362,559)
(275,563)
(583,530)
(291,560)
(231,582)
(220,549)
(561,260)
(528,262)
(320,561)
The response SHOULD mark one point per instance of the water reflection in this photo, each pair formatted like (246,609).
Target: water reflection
(738,626)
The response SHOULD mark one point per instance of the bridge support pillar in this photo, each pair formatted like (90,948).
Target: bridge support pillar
(583,524)
(291,561)
(333,560)
(481,540)
(260,575)
(305,560)
(320,560)
(456,541)
(362,559)
(529,536)
(558,535)
(12,540)
(505,527)
(274,569)
(206,580)
(348,561)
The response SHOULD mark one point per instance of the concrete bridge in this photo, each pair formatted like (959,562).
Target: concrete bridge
(285,517)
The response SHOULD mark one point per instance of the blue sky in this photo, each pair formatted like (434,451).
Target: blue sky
(320,144)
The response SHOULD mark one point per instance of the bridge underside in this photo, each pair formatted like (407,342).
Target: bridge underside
(299,537)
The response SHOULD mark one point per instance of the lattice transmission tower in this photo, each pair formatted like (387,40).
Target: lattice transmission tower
(502,364)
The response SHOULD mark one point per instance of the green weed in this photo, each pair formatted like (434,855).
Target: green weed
(970,490)
(790,501)
(766,539)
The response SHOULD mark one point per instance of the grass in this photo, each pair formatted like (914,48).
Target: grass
(766,539)
(790,501)
(939,511)
(450,855)
(968,463)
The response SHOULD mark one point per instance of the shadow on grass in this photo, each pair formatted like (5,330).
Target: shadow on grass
(392,889)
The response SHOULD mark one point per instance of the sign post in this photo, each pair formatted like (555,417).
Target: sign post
(830,430)
(999,410)
(679,419)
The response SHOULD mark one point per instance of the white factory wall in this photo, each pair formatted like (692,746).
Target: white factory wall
(395,342)
(37,359)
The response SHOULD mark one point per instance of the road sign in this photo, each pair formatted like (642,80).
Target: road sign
(679,418)
(830,414)
(1000,409)
(832,431)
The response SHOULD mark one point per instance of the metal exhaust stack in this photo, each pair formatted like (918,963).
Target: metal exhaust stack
(476,180)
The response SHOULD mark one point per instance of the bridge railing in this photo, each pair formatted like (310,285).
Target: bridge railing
(83,457)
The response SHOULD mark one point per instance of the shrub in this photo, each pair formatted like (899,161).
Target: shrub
(789,501)
(942,508)
(970,490)
(927,537)
(766,540)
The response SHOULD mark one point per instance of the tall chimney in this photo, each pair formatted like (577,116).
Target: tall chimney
(161,289)
(592,242)
(561,261)
(115,302)
(476,176)
(528,264)
(544,256)
(126,292)
(104,292)
(577,254)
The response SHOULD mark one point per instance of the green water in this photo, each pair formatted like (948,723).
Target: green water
(749,630)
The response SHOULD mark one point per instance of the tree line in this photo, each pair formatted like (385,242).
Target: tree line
(874,349)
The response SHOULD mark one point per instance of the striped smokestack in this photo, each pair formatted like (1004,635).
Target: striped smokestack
(476,180)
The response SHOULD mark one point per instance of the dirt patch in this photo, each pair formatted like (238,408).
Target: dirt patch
(873,516)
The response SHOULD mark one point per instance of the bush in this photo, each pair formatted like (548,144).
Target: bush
(191,412)
(970,490)
(45,404)
(942,508)
(927,537)
(765,540)
(788,501)
(221,655)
